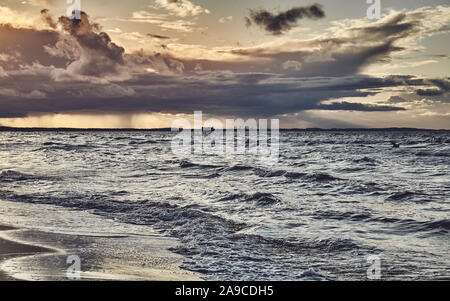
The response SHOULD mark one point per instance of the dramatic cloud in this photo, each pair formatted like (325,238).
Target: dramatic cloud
(48,19)
(351,106)
(72,66)
(2,72)
(99,56)
(277,24)
(292,65)
(226,19)
(23,46)
(163,21)
(396,99)
(221,94)
(350,47)
(429,92)
(182,8)
(441,90)
(45,3)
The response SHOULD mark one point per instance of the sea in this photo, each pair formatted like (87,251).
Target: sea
(338,204)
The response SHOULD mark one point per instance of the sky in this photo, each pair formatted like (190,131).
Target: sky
(145,63)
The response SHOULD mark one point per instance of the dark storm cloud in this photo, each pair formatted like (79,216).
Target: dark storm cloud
(337,56)
(86,35)
(396,99)
(225,94)
(277,24)
(80,69)
(398,26)
(351,106)
(48,19)
(441,88)
(80,51)
(26,45)
(442,84)
(100,55)
(429,92)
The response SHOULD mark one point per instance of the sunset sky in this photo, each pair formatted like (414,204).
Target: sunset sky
(144,63)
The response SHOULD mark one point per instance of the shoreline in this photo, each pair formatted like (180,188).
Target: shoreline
(10,249)
(114,251)
(20,256)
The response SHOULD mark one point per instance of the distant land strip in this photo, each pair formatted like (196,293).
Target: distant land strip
(22,129)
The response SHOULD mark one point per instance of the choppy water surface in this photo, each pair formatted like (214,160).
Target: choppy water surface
(335,198)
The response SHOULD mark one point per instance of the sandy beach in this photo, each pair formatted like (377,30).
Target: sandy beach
(40,238)
(24,265)
(10,249)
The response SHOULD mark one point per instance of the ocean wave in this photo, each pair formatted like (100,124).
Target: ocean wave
(319,177)
(404,225)
(433,154)
(364,142)
(188,164)
(14,176)
(51,143)
(351,169)
(336,245)
(205,237)
(239,168)
(336,215)
(404,195)
(366,160)
(311,275)
(319,142)
(270,173)
(264,173)
(205,176)
(413,226)
(322,177)
(64,147)
(305,245)
(142,142)
(438,140)
(259,198)
(442,224)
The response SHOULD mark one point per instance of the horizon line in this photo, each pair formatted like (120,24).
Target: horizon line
(8,128)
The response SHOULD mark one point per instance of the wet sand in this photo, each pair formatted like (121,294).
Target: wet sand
(40,238)
(10,249)
(51,266)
